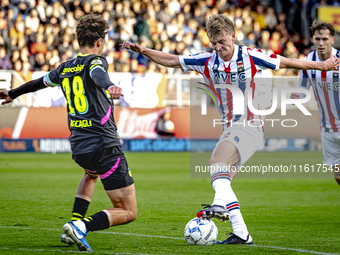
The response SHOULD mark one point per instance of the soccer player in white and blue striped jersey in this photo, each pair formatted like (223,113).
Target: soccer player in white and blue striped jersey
(326,90)
(229,64)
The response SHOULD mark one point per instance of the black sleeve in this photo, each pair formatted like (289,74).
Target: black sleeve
(98,72)
(27,87)
(101,78)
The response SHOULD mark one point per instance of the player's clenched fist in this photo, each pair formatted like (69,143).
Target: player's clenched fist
(4,95)
(115,92)
(331,63)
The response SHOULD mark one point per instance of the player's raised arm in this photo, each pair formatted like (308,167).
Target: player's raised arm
(328,65)
(27,87)
(159,57)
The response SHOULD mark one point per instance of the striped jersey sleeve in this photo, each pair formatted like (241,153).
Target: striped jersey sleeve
(303,80)
(262,61)
(194,62)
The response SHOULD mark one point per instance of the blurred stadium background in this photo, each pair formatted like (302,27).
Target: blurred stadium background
(154,115)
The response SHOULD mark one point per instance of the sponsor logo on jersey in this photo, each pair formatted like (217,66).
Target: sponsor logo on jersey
(81,123)
(77,68)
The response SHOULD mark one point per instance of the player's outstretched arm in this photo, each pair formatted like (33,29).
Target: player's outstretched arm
(328,65)
(159,57)
(27,87)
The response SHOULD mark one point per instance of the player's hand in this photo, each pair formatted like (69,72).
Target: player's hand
(115,92)
(4,95)
(132,46)
(295,96)
(331,63)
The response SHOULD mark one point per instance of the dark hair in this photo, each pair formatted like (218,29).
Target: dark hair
(90,28)
(218,23)
(318,25)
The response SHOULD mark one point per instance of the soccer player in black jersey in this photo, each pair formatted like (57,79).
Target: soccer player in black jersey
(94,141)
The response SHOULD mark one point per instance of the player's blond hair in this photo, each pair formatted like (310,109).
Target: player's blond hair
(218,23)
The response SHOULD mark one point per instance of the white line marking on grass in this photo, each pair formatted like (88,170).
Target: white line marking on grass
(64,251)
(291,249)
(179,238)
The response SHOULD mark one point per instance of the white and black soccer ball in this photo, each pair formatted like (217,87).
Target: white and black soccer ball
(200,232)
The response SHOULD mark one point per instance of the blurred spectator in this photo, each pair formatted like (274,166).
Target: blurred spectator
(275,43)
(250,41)
(291,51)
(187,11)
(270,19)
(15,56)
(134,66)
(143,28)
(25,55)
(247,27)
(123,60)
(18,65)
(174,7)
(5,62)
(164,15)
(13,46)
(152,68)
(199,16)
(30,27)
(41,5)
(32,21)
(3,25)
(68,6)
(50,42)
(39,46)
(259,17)
(55,60)
(17,31)
(39,61)
(264,42)
(172,28)
(65,44)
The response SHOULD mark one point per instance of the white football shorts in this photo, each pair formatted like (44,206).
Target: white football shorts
(247,140)
(330,147)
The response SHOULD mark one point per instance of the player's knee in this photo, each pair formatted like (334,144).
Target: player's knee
(212,161)
(229,160)
(131,215)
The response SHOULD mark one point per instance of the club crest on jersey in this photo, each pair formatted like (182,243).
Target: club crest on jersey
(96,62)
(240,66)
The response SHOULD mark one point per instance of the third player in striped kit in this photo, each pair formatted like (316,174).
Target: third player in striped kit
(326,90)
(237,65)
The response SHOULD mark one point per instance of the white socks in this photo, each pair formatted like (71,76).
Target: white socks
(225,196)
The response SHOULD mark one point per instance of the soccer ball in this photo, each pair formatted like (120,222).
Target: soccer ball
(200,232)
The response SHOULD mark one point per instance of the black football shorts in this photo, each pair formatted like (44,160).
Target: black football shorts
(109,164)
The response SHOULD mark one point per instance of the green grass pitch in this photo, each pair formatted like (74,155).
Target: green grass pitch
(283,215)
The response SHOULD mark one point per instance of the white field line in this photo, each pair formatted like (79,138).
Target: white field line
(166,237)
(64,251)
